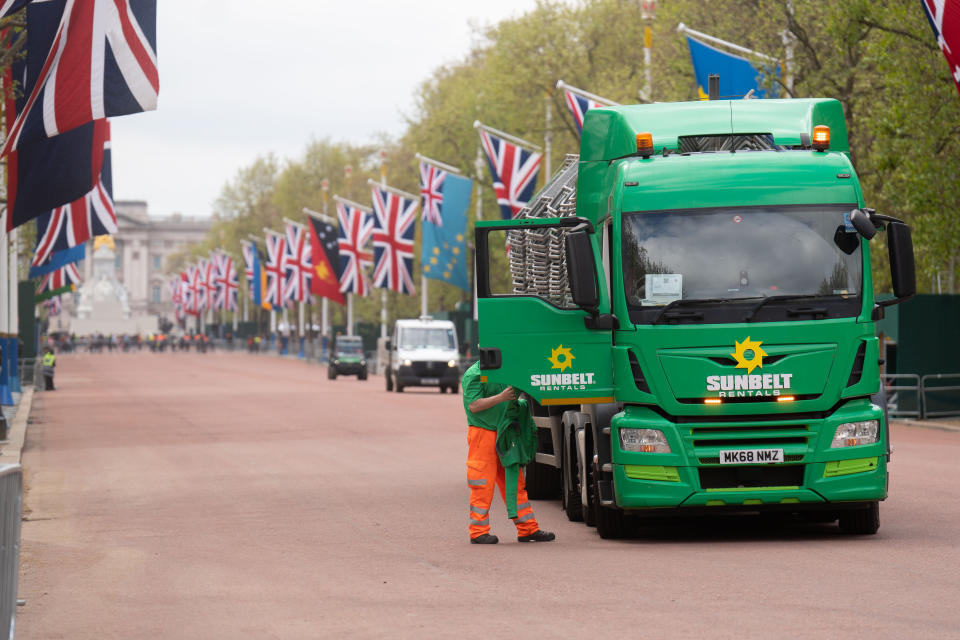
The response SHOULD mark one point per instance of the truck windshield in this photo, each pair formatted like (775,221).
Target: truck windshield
(427,338)
(744,263)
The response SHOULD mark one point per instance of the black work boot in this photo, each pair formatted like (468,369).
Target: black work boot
(537,536)
(485,538)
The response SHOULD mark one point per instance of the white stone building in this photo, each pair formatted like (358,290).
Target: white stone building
(142,245)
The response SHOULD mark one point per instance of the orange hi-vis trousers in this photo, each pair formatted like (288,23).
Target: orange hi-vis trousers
(483,471)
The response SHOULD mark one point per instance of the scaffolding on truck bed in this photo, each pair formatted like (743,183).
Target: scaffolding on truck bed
(538,262)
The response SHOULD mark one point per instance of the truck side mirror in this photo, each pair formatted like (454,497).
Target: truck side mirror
(862,223)
(900,244)
(582,271)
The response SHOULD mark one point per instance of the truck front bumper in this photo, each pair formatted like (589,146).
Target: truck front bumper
(812,475)
(435,376)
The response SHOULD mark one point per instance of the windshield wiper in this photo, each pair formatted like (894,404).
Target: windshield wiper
(689,302)
(800,296)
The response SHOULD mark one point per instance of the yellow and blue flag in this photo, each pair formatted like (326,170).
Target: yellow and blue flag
(445,198)
(259,281)
(737,75)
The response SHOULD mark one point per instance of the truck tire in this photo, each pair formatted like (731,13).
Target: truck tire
(570,487)
(861,522)
(542,481)
(331,372)
(399,387)
(610,520)
(386,375)
(362,375)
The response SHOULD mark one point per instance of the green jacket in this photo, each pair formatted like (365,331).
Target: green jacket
(516,447)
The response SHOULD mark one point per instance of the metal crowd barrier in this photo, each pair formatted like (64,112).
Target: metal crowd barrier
(927,390)
(896,405)
(11,496)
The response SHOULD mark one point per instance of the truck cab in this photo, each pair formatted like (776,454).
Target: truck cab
(347,358)
(423,353)
(696,332)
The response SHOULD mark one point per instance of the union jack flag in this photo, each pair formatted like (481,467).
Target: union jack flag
(246,247)
(102,63)
(579,105)
(198,285)
(431,193)
(58,281)
(176,297)
(53,306)
(356,227)
(186,290)
(944,19)
(276,268)
(299,263)
(76,222)
(226,282)
(10,6)
(393,231)
(514,172)
(210,281)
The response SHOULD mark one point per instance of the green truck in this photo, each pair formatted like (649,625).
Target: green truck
(688,305)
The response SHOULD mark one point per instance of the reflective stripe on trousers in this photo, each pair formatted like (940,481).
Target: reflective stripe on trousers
(483,472)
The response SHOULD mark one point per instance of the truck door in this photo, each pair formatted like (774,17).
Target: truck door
(531,334)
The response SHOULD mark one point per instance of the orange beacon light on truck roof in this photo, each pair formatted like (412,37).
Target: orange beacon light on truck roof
(821,137)
(645,144)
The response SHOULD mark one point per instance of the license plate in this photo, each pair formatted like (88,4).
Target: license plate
(429,380)
(751,456)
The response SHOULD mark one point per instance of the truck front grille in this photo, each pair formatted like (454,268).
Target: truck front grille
(754,435)
(429,368)
(751,476)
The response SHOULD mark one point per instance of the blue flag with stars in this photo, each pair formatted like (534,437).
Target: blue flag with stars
(737,74)
(444,225)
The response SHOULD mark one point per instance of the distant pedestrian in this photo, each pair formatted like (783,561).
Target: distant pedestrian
(49,361)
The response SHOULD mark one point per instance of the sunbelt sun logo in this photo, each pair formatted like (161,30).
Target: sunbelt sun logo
(749,355)
(561,358)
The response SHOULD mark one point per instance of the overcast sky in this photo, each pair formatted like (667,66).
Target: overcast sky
(240,79)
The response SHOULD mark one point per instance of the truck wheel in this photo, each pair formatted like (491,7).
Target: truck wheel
(331,373)
(362,375)
(399,387)
(542,481)
(609,520)
(862,522)
(386,374)
(570,487)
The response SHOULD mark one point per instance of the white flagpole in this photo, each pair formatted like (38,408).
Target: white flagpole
(682,28)
(439,165)
(585,94)
(349,314)
(547,136)
(423,294)
(506,136)
(478,165)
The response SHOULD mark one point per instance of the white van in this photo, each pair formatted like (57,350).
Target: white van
(423,353)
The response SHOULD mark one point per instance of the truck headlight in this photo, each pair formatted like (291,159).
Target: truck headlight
(407,363)
(452,363)
(363,363)
(850,434)
(336,361)
(644,440)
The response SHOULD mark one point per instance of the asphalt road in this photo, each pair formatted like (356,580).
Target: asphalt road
(237,496)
